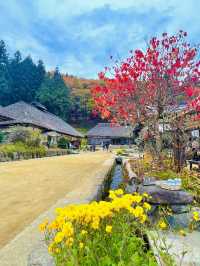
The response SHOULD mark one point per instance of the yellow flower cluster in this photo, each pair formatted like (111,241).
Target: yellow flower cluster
(196,216)
(162,225)
(108,228)
(79,219)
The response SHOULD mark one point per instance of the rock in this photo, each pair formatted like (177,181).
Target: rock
(181,220)
(131,188)
(131,174)
(40,257)
(166,197)
(180,208)
(149,180)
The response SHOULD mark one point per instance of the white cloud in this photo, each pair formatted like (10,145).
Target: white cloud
(86,67)
(66,8)
(67,33)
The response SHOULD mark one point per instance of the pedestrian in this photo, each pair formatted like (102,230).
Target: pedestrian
(102,146)
(107,146)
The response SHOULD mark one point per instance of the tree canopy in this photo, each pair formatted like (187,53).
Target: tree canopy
(21,79)
(150,81)
(55,95)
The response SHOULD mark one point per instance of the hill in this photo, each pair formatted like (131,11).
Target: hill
(82,104)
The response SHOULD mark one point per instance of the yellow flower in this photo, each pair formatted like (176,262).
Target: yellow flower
(143,218)
(112,195)
(147,206)
(69,241)
(162,225)
(119,192)
(182,232)
(196,216)
(108,228)
(138,211)
(50,248)
(42,227)
(137,198)
(83,232)
(145,195)
(95,225)
(52,226)
(57,250)
(81,245)
(59,237)
(68,229)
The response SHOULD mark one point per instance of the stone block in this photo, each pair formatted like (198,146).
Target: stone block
(166,197)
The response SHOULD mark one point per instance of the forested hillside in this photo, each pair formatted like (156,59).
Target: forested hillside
(64,95)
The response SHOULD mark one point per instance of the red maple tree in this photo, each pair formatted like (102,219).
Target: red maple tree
(151,83)
(154,79)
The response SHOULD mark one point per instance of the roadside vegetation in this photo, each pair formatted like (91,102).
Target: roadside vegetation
(101,233)
(109,233)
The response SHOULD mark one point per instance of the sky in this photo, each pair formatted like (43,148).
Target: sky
(79,36)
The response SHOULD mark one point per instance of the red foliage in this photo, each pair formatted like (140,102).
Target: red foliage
(150,80)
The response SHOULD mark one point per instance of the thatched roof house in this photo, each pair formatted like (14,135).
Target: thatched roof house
(34,115)
(106,132)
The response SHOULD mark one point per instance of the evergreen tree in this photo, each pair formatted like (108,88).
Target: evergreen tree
(5,89)
(27,77)
(40,73)
(3,53)
(55,95)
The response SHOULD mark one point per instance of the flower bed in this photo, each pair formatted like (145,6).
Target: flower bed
(111,233)
(101,233)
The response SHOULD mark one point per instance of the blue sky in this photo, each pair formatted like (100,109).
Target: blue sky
(80,35)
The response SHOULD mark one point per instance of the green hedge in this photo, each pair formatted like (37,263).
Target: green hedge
(22,149)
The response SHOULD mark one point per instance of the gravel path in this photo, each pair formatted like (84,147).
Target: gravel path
(29,188)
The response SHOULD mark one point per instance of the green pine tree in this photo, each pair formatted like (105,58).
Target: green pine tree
(55,95)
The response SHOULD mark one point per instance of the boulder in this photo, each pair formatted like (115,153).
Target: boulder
(166,197)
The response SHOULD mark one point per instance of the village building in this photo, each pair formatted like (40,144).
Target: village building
(36,115)
(112,134)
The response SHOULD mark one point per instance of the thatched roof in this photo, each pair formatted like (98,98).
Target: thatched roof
(3,115)
(107,130)
(24,113)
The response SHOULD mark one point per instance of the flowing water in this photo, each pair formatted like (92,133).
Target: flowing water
(117,177)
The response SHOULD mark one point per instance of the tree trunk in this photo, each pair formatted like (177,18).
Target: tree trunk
(159,145)
(179,150)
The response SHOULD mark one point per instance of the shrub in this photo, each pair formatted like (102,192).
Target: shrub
(63,143)
(23,149)
(84,144)
(2,136)
(100,233)
(120,151)
(26,135)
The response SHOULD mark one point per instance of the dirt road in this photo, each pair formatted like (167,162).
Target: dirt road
(28,188)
